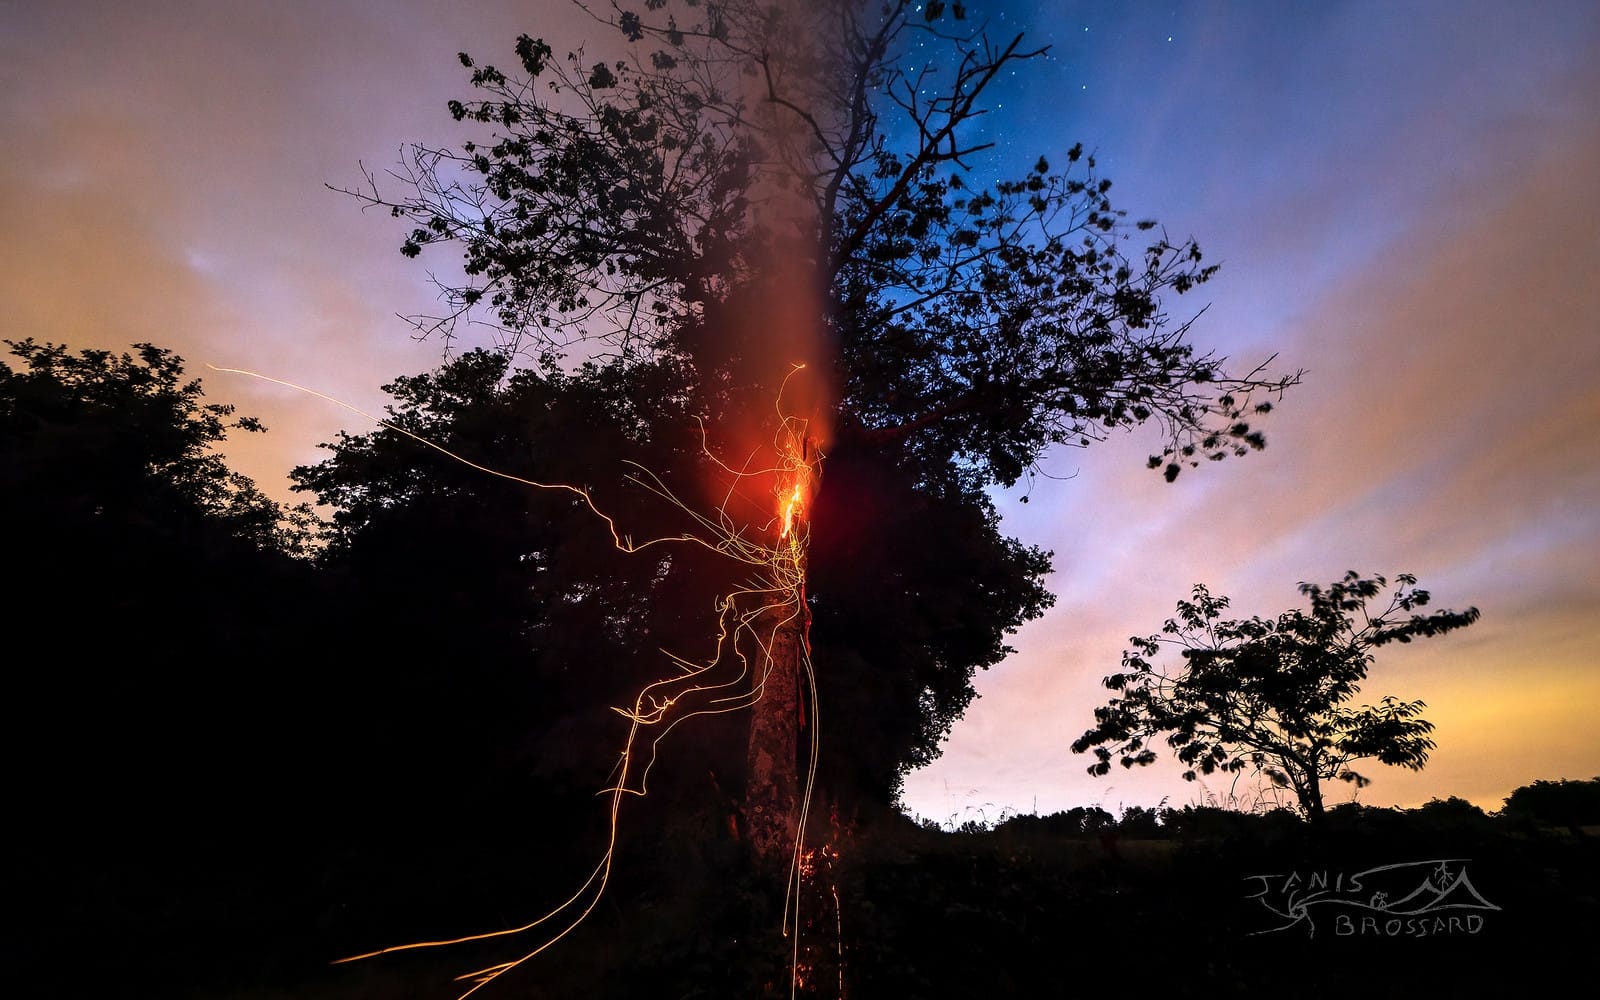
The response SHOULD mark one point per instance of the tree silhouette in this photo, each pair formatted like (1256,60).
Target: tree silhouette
(168,699)
(123,442)
(1566,803)
(1271,694)
(752,186)
(140,564)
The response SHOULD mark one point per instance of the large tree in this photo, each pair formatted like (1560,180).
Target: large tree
(747,186)
(1271,695)
(721,194)
(514,606)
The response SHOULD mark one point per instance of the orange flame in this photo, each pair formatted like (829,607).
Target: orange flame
(794,504)
(789,509)
(798,463)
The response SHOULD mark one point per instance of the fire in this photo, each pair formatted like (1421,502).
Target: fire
(794,504)
(790,508)
(798,463)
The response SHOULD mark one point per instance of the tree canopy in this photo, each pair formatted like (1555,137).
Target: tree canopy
(649,203)
(150,584)
(1563,802)
(122,441)
(1271,694)
(216,743)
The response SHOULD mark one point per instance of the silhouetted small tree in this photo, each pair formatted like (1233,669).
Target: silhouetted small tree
(1270,694)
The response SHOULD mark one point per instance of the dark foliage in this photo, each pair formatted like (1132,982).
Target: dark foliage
(520,611)
(537,588)
(1020,911)
(115,443)
(913,588)
(228,766)
(158,699)
(1563,803)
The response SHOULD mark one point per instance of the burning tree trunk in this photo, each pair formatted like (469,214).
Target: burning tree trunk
(775,781)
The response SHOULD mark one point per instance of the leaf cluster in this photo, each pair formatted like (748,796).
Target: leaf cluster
(914,588)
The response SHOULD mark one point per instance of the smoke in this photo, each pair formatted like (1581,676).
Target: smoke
(765,347)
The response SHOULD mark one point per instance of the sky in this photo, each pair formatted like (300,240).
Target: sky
(1403,196)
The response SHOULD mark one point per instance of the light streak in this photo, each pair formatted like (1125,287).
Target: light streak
(760,612)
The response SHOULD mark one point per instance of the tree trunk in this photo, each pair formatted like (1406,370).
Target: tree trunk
(1312,799)
(774,782)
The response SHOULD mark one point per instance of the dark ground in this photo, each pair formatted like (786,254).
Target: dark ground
(1030,909)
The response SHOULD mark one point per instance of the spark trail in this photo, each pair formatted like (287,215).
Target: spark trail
(757,623)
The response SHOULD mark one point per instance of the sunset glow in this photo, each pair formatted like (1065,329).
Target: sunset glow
(674,358)
(1401,195)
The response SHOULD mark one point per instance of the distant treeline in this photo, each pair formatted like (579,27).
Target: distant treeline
(1564,804)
